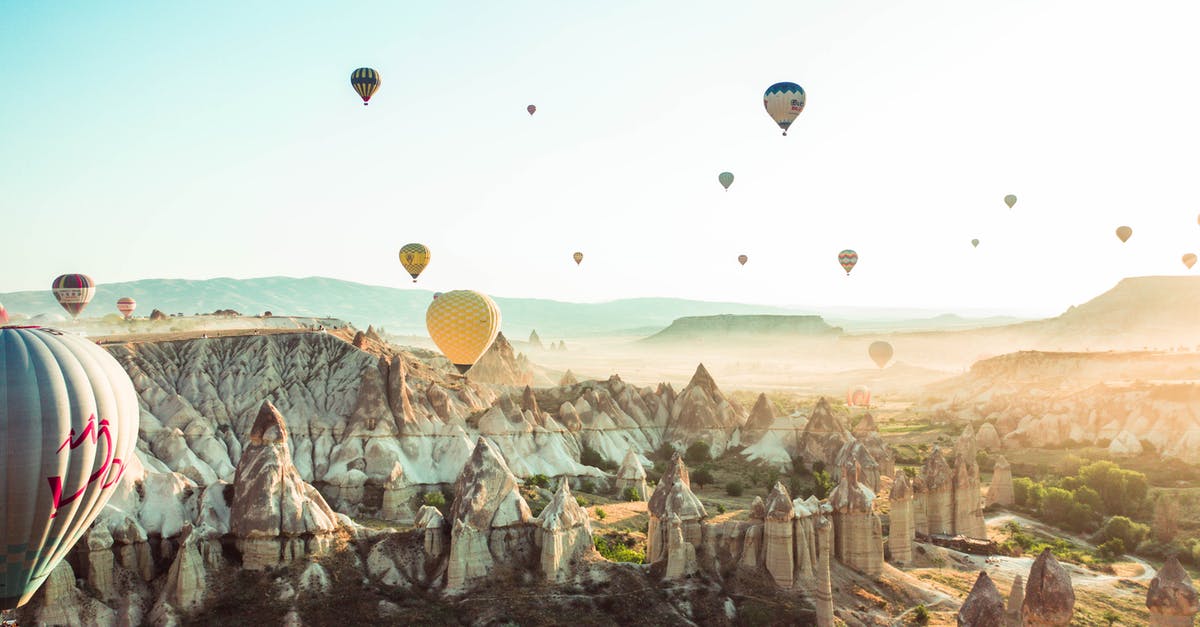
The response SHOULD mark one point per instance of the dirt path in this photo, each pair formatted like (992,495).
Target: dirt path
(1137,570)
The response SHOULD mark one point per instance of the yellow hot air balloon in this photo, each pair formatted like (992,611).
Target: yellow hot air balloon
(1189,260)
(414,258)
(463,324)
(578,257)
(1123,233)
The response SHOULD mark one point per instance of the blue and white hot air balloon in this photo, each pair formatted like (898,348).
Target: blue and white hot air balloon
(68,428)
(784,101)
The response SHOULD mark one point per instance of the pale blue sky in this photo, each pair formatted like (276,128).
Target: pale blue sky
(196,140)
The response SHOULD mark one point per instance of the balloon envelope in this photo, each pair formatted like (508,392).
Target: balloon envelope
(880,352)
(784,101)
(365,81)
(742,259)
(578,257)
(1010,200)
(463,324)
(3,315)
(726,179)
(975,243)
(1123,233)
(414,258)
(126,306)
(531,109)
(847,258)
(74,292)
(1189,260)
(69,419)
(859,396)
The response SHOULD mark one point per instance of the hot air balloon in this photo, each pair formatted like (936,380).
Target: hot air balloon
(1010,200)
(784,101)
(463,324)
(847,258)
(365,81)
(742,259)
(3,315)
(726,179)
(578,257)
(414,258)
(436,295)
(880,352)
(74,292)
(1123,233)
(126,306)
(531,109)
(859,396)
(69,415)
(1189,260)
(975,243)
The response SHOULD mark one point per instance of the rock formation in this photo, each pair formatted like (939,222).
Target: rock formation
(631,474)
(1049,598)
(673,497)
(430,520)
(275,515)
(1000,492)
(779,536)
(1171,598)
(761,418)
(900,535)
(824,594)
(857,530)
(936,500)
(535,341)
(867,432)
(1016,598)
(489,517)
(502,365)
(966,497)
(568,379)
(701,413)
(680,554)
(984,607)
(988,438)
(855,455)
(823,437)
(564,535)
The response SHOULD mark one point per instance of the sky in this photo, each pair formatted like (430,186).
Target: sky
(222,139)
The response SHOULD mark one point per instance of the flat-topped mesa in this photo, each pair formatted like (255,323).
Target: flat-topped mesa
(823,437)
(855,455)
(673,495)
(1049,597)
(565,534)
(762,416)
(984,607)
(900,535)
(1172,599)
(701,413)
(779,536)
(1000,491)
(867,432)
(488,517)
(631,474)
(275,515)
(936,502)
(858,531)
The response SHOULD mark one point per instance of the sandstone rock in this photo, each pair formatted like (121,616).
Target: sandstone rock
(855,455)
(59,602)
(273,508)
(1172,599)
(937,497)
(858,531)
(315,579)
(568,379)
(867,432)
(779,535)
(984,607)
(1000,492)
(681,554)
(988,437)
(565,534)
(673,496)
(500,365)
(702,413)
(535,341)
(762,416)
(188,579)
(632,474)
(1125,444)
(966,498)
(430,519)
(1049,597)
(823,437)
(1016,598)
(900,535)
(824,594)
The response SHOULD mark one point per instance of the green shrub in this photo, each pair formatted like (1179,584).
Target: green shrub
(601,514)
(698,453)
(631,494)
(921,615)
(823,484)
(734,488)
(702,477)
(614,551)
(541,481)
(720,508)
(591,457)
(581,501)
(586,485)
(434,499)
(1130,533)
(1112,549)
(664,452)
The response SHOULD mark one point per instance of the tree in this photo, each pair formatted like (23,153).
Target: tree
(1112,549)
(734,488)
(1089,497)
(1080,517)
(822,484)
(1056,505)
(1130,533)
(1166,518)
(631,494)
(698,453)
(434,499)
(702,477)
(664,451)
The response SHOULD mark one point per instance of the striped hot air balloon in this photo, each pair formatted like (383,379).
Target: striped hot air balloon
(578,257)
(365,81)
(126,306)
(414,258)
(69,421)
(463,324)
(847,258)
(3,315)
(784,102)
(74,292)
(859,396)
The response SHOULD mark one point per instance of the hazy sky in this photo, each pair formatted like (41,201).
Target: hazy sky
(198,140)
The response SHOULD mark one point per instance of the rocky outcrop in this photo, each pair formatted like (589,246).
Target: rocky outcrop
(966,497)
(857,529)
(1049,598)
(779,536)
(489,517)
(935,500)
(535,341)
(988,438)
(564,535)
(856,456)
(1125,443)
(501,365)
(1172,599)
(701,413)
(680,554)
(673,497)
(824,593)
(1000,492)
(568,379)
(631,474)
(275,515)
(900,534)
(824,436)
(867,432)
(59,602)
(1016,598)
(984,607)
(762,416)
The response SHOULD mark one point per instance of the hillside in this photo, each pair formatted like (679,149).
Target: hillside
(746,326)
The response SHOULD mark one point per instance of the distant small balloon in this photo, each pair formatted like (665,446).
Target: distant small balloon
(1123,233)
(436,294)
(1010,200)
(880,352)
(3,315)
(975,243)
(784,102)
(1189,260)
(531,109)
(414,257)
(742,259)
(848,258)
(726,179)
(578,257)
(365,81)
(126,306)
